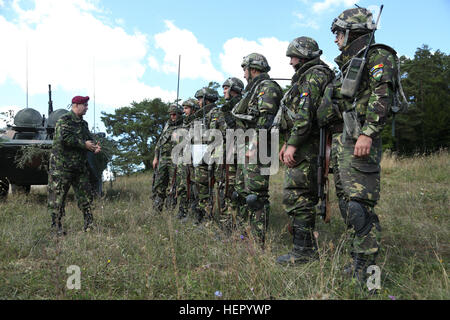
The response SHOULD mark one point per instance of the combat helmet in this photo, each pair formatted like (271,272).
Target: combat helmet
(256,61)
(207,93)
(303,48)
(192,103)
(235,84)
(173,108)
(359,20)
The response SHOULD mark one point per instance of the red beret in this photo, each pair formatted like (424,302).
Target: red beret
(80,100)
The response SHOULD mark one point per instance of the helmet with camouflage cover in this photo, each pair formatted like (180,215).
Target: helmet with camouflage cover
(235,84)
(207,93)
(303,48)
(173,108)
(192,103)
(256,61)
(358,20)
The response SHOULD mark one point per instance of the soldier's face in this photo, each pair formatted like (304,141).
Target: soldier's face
(294,61)
(339,39)
(246,74)
(80,109)
(173,116)
(226,92)
(187,110)
(200,102)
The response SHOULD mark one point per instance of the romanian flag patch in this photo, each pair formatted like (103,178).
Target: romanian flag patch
(304,94)
(261,94)
(377,71)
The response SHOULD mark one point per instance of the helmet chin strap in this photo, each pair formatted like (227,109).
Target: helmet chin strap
(347,31)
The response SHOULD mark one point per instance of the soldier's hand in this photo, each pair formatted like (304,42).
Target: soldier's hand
(155,162)
(90,145)
(288,158)
(362,146)
(281,154)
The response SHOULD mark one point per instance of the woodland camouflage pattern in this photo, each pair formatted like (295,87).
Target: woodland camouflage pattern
(300,184)
(221,119)
(260,101)
(166,168)
(358,179)
(68,165)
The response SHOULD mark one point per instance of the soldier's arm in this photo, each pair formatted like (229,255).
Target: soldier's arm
(269,97)
(306,104)
(381,67)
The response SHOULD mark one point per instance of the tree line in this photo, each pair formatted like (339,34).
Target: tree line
(423,129)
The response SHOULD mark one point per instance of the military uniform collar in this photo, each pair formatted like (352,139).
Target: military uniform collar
(75,117)
(304,68)
(261,77)
(353,49)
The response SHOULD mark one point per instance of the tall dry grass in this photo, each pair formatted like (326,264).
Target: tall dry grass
(137,253)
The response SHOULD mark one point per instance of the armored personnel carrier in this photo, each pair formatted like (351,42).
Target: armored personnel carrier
(25,149)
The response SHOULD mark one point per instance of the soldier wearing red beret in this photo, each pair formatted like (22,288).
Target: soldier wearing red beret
(68,164)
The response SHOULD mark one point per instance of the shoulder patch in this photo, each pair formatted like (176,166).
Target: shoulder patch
(304,94)
(378,66)
(261,94)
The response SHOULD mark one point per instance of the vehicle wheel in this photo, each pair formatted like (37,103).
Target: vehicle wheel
(20,189)
(4,187)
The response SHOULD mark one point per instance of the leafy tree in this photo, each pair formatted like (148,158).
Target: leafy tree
(138,128)
(426,81)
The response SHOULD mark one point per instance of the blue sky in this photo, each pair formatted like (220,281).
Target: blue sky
(128,50)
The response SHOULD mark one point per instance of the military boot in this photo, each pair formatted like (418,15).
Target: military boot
(57,225)
(182,214)
(304,249)
(357,269)
(88,221)
(158,203)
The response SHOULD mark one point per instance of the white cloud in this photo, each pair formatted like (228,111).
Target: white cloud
(319,7)
(64,38)
(306,22)
(195,57)
(236,49)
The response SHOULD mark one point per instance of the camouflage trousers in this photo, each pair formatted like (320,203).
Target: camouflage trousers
(225,176)
(183,172)
(202,198)
(358,179)
(300,192)
(59,183)
(163,181)
(250,182)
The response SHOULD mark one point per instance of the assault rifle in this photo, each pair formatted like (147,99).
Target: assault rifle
(323,163)
(211,182)
(172,196)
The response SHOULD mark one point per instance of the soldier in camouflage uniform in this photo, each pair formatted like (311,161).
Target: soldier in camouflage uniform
(356,147)
(256,110)
(186,171)
(301,149)
(165,179)
(68,165)
(225,173)
(203,172)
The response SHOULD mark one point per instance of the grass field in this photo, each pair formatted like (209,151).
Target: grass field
(136,253)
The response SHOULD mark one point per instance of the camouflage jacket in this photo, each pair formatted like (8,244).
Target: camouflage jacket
(222,119)
(259,104)
(69,151)
(304,97)
(376,90)
(167,140)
